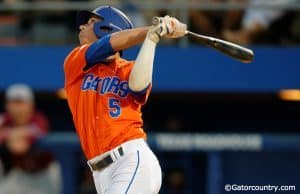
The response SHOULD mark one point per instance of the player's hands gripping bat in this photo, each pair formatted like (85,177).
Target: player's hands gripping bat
(178,29)
(165,27)
(233,50)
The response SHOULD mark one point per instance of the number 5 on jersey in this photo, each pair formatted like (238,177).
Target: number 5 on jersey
(114,107)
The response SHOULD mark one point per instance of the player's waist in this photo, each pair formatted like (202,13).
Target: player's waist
(105,141)
(102,161)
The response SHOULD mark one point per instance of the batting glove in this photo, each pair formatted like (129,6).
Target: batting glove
(164,26)
(176,28)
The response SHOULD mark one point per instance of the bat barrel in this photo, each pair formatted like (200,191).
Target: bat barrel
(236,51)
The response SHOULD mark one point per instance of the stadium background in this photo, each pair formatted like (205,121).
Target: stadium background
(211,120)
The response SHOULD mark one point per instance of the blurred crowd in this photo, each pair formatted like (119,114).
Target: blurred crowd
(253,25)
(26,169)
(249,26)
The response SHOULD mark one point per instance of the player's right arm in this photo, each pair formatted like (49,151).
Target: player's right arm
(118,41)
(87,56)
(112,43)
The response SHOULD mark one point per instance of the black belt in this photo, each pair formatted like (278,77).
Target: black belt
(106,161)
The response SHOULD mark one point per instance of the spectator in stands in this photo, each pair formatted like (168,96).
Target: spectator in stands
(26,169)
(213,22)
(256,23)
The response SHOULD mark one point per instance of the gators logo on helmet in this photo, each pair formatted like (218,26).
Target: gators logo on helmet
(112,20)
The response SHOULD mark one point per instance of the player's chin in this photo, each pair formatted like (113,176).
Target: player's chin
(81,38)
(82,41)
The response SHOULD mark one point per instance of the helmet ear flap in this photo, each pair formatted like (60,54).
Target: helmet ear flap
(97,29)
(106,29)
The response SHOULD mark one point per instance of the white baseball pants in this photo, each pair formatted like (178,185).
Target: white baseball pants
(136,172)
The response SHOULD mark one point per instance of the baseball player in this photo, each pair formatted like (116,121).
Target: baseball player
(105,93)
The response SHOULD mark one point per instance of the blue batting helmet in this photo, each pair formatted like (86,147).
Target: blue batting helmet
(112,20)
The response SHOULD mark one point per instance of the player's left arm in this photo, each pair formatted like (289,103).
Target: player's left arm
(141,75)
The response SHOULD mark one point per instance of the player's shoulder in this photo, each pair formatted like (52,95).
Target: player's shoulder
(124,64)
(76,52)
(125,67)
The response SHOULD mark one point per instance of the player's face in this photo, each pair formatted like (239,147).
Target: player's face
(20,111)
(86,34)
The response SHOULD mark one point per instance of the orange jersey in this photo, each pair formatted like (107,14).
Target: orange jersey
(105,112)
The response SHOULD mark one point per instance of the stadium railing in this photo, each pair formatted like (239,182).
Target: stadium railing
(66,148)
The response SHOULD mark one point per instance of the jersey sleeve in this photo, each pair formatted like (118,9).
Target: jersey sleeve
(74,64)
(139,97)
(98,51)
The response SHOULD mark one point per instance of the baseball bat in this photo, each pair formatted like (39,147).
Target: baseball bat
(233,50)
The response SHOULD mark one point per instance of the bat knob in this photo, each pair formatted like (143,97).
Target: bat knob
(155,21)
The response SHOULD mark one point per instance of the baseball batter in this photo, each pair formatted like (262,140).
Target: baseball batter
(105,94)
